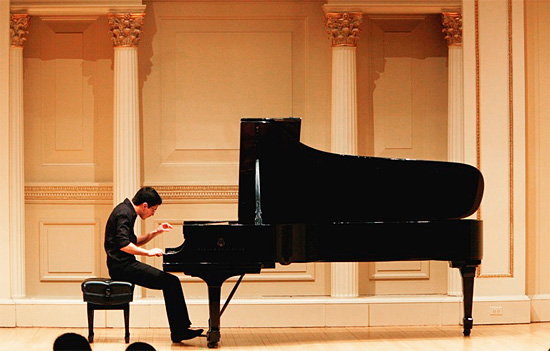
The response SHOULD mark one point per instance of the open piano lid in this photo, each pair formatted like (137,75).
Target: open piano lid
(302,184)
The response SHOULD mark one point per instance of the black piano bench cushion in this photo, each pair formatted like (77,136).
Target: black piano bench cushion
(104,291)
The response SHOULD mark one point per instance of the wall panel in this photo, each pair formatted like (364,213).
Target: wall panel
(69,250)
(64,246)
(207,69)
(68,100)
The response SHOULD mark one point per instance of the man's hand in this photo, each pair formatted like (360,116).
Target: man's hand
(155,252)
(163,227)
(145,238)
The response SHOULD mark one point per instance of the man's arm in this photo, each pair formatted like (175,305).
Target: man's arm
(136,250)
(145,238)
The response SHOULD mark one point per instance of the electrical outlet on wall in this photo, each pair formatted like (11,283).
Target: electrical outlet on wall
(495,310)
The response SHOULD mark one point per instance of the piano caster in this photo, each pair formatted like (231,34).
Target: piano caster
(213,336)
(468,324)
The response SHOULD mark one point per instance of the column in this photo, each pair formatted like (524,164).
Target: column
(452,28)
(343,29)
(18,30)
(126,30)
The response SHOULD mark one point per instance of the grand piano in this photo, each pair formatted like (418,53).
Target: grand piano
(299,204)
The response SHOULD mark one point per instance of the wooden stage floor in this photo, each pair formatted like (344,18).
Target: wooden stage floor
(516,337)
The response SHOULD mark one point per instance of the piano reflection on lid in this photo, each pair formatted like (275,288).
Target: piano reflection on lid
(299,204)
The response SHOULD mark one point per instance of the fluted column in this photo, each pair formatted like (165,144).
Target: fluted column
(452,28)
(126,30)
(343,29)
(18,29)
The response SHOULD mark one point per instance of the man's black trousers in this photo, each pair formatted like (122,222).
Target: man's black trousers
(150,277)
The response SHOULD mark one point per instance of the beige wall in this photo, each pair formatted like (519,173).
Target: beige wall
(202,67)
(194,88)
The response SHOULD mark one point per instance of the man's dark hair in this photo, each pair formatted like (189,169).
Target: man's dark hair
(71,341)
(149,195)
(140,346)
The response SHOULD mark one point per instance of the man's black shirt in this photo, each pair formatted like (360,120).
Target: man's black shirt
(119,232)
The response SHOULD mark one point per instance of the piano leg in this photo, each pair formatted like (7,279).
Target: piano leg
(213,334)
(214,275)
(468,272)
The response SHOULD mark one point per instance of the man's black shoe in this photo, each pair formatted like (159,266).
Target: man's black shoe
(186,335)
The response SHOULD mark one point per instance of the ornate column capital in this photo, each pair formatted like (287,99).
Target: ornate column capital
(125,28)
(343,28)
(18,28)
(452,27)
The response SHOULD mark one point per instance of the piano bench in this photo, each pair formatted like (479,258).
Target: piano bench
(107,294)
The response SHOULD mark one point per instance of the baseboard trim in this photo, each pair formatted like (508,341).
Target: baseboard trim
(279,312)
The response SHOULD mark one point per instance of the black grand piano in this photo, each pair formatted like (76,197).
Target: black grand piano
(299,204)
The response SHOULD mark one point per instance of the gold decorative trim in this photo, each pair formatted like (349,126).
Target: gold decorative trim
(68,193)
(126,28)
(343,28)
(176,193)
(169,193)
(18,29)
(510,130)
(452,27)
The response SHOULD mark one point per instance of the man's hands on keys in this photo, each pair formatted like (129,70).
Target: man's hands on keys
(162,228)
(155,252)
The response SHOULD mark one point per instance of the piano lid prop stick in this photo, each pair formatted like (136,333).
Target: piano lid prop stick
(231,294)
(258,214)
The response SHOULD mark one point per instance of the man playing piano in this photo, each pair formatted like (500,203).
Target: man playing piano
(121,245)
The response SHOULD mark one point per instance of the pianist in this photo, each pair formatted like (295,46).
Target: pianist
(121,245)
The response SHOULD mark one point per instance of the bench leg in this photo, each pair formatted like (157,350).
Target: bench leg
(127,322)
(90,323)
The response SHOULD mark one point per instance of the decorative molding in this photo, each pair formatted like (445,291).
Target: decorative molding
(413,270)
(18,29)
(44,193)
(343,28)
(126,28)
(55,265)
(75,7)
(396,7)
(479,272)
(104,193)
(177,193)
(452,27)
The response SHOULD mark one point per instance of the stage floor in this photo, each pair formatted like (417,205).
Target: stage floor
(516,337)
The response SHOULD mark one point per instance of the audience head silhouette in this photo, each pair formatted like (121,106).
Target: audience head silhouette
(140,346)
(71,341)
